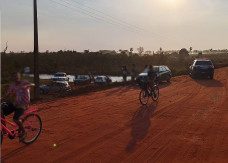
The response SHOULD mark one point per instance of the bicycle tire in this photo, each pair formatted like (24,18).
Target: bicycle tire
(155,93)
(143,94)
(26,124)
(1,137)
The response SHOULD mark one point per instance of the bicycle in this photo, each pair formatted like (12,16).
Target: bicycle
(148,91)
(32,124)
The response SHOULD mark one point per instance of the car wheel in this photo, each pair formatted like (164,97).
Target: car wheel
(168,80)
(192,76)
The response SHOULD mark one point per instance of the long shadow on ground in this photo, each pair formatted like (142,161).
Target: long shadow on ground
(140,124)
(14,152)
(121,90)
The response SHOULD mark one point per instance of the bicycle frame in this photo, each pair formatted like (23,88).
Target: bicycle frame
(14,125)
(6,129)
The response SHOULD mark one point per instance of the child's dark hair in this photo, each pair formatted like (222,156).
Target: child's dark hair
(14,73)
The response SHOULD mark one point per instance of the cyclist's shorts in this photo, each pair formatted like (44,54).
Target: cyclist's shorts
(10,108)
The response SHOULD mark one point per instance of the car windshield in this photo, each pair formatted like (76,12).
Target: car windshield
(59,75)
(203,63)
(155,69)
(147,69)
(99,78)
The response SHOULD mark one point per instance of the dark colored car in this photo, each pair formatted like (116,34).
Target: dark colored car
(163,74)
(55,87)
(202,67)
(83,79)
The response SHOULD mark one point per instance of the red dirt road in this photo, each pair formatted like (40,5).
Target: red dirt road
(188,124)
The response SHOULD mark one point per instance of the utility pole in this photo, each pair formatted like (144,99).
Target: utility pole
(36,51)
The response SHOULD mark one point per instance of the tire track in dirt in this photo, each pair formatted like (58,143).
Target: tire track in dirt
(187,125)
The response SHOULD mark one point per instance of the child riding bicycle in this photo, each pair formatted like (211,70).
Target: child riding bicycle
(19,97)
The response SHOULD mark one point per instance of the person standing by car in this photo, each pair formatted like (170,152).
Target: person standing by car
(124,72)
(146,68)
(133,72)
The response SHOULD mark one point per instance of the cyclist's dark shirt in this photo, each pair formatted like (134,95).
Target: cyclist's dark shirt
(151,74)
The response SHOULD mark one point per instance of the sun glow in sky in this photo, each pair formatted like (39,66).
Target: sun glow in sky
(170,24)
(172,3)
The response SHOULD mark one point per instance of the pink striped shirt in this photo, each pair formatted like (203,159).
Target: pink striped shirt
(22,94)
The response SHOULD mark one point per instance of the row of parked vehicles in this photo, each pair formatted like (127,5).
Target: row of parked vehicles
(60,81)
(86,79)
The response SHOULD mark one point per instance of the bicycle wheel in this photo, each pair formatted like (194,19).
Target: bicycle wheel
(33,125)
(1,137)
(143,97)
(155,93)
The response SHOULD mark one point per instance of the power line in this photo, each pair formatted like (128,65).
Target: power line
(122,22)
(101,16)
(81,11)
(98,17)
(104,20)
(107,15)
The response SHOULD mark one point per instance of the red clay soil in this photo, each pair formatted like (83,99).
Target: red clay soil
(188,124)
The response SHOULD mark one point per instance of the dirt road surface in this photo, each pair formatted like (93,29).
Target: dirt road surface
(188,124)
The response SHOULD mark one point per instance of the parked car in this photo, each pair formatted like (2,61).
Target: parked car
(83,79)
(102,80)
(201,67)
(60,76)
(55,87)
(163,73)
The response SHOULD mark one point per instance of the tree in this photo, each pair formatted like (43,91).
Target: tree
(183,53)
(190,49)
(4,51)
(131,50)
(140,50)
(86,51)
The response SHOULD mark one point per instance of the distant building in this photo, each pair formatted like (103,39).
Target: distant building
(148,52)
(107,51)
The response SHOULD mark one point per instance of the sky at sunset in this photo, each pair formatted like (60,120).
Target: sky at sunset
(115,24)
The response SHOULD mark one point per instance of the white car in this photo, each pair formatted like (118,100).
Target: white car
(60,77)
(102,79)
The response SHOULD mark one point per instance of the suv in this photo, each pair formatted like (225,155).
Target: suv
(163,74)
(202,67)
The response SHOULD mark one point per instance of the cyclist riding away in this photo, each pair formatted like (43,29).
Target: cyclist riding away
(19,97)
(151,76)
